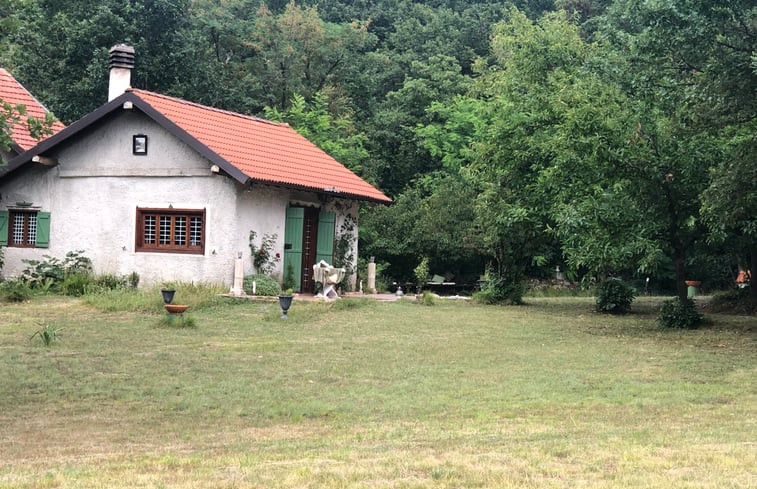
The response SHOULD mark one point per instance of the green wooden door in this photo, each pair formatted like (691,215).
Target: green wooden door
(293,243)
(324,249)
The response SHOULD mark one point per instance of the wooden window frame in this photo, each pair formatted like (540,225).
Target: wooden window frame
(139,144)
(172,247)
(27,242)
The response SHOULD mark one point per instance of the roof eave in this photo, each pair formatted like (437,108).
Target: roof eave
(340,195)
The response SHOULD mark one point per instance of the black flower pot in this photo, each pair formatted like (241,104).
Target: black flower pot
(167,295)
(285,301)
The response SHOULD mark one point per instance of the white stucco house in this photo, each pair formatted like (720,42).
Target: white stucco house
(171,190)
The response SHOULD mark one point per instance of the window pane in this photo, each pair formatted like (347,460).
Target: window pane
(32,232)
(195,231)
(180,231)
(149,233)
(18,229)
(165,230)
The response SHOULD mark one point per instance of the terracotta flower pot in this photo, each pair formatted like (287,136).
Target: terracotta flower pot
(175,308)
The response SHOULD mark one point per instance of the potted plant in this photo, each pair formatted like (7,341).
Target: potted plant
(285,301)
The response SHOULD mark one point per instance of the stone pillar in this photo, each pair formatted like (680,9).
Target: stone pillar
(238,288)
(371,277)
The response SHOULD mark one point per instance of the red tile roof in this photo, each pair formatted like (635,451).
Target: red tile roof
(13,92)
(264,151)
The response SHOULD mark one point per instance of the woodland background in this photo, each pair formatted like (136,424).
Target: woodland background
(606,137)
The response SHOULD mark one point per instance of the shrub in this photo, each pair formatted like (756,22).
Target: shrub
(421,273)
(675,314)
(111,281)
(733,301)
(614,296)
(426,298)
(500,290)
(15,290)
(51,272)
(77,284)
(264,285)
(289,280)
(133,279)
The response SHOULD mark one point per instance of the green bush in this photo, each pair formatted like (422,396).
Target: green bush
(15,290)
(614,296)
(674,314)
(289,280)
(264,285)
(77,284)
(733,301)
(133,279)
(421,274)
(111,281)
(426,298)
(500,290)
(51,272)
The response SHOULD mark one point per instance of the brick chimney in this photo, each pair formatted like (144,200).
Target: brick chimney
(120,62)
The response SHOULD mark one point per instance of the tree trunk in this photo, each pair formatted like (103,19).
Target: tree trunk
(752,273)
(680,276)
(679,251)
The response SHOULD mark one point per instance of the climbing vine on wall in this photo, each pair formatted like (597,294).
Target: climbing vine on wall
(263,258)
(344,249)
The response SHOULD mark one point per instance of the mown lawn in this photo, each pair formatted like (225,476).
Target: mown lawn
(367,395)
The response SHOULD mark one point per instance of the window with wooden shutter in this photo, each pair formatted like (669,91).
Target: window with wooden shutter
(24,228)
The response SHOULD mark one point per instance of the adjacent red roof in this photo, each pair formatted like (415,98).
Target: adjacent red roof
(13,92)
(264,151)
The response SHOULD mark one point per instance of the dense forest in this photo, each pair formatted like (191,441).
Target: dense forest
(604,137)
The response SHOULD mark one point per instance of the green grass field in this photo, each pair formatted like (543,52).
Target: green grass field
(365,394)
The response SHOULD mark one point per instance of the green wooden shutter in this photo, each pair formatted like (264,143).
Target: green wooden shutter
(324,249)
(43,230)
(3,228)
(295,218)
